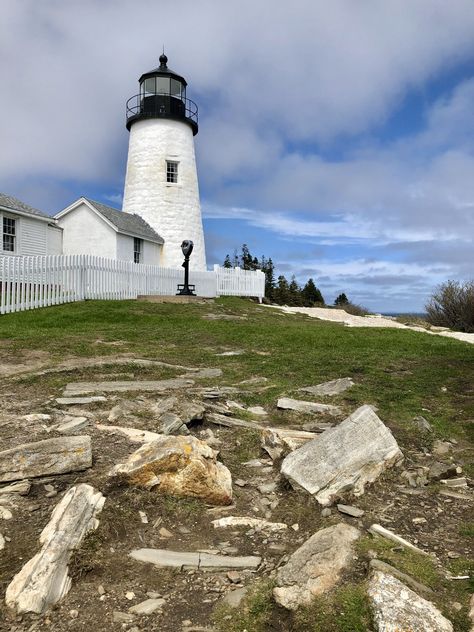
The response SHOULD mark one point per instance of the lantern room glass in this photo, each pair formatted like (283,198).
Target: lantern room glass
(163,85)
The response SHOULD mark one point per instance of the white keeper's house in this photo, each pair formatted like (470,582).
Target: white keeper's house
(161,206)
(26,230)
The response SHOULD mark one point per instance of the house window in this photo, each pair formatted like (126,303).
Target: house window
(137,250)
(171,171)
(9,234)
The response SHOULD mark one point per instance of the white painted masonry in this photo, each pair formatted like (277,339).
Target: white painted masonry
(173,210)
(85,233)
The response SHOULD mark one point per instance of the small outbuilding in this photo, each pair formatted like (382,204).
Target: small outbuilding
(26,230)
(92,228)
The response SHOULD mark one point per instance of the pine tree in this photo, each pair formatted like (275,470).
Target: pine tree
(311,294)
(227,262)
(341,300)
(269,271)
(246,258)
(294,292)
(282,292)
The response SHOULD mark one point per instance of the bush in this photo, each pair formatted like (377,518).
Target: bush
(452,305)
(355,310)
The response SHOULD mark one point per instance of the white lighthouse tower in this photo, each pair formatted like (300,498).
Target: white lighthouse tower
(161,183)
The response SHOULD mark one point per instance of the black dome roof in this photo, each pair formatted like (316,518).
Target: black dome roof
(163,71)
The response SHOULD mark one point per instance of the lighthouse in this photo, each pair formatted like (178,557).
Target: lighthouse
(161,183)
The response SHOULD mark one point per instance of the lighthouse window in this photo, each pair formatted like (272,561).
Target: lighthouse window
(137,249)
(150,85)
(9,234)
(175,88)
(171,171)
(162,85)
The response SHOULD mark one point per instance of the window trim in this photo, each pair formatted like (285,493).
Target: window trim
(171,173)
(16,236)
(137,250)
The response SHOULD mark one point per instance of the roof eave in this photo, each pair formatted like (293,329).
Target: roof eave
(42,218)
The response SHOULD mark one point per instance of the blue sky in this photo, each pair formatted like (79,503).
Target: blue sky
(337,138)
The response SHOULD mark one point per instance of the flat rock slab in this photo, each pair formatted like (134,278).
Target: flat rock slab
(149,606)
(71,401)
(254,523)
(41,458)
(301,406)
(343,458)
(349,510)
(316,566)
(231,422)
(278,442)
(334,387)
(183,560)
(377,529)
(76,424)
(44,580)
(135,435)
(180,466)
(396,607)
(155,386)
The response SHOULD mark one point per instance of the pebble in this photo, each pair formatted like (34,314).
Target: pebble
(122,617)
(240,483)
(101,590)
(234,577)
(267,488)
(73,614)
(148,606)
(164,533)
(5,514)
(130,595)
(143,517)
(355,512)
(326,512)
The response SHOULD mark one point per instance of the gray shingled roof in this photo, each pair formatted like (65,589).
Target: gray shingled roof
(127,223)
(12,203)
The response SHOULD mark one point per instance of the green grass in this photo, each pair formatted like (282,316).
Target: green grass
(401,372)
(253,614)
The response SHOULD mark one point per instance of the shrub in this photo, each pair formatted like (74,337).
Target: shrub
(452,305)
(355,310)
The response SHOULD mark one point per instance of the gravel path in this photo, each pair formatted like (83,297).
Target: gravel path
(340,316)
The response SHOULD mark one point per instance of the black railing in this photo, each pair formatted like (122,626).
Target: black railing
(162,106)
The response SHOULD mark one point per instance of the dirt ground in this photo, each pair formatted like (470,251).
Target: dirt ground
(102,571)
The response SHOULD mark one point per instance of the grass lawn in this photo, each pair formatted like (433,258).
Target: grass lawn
(404,373)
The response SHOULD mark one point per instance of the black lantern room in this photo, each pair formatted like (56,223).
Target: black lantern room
(162,95)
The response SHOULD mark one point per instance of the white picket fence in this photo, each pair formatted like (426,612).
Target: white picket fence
(33,282)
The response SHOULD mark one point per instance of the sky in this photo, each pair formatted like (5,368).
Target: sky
(335,137)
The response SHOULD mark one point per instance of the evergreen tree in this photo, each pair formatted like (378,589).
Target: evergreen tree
(341,300)
(282,291)
(294,292)
(246,258)
(235,260)
(269,271)
(227,262)
(311,294)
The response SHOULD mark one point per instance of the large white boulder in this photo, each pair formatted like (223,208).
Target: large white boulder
(343,458)
(316,566)
(396,607)
(44,580)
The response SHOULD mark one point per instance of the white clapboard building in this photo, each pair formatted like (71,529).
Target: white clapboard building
(26,230)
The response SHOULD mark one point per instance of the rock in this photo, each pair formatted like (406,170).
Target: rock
(316,566)
(149,606)
(22,488)
(136,435)
(257,410)
(156,386)
(234,577)
(122,617)
(51,456)
(280,441)
(123,409)
(307,407)
(255,523)
(397,607)
(355,512)
(2,542)
(471,610)
(334,387)
(44,580)
(171,424)
(164,533)
(403,577)
(240,483)
(267,488)
(343,458)
(143,517)
(194,560)
(71,401)
(5,514)
(231,422)
(206,373)
(317,426)
(440,470)
(326,512)
(454,482)
(441,448)
(180,466)
(75,424)
(234,598)
(377,529)
(35,417)
(237,352)
(422,424)
(130,595)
